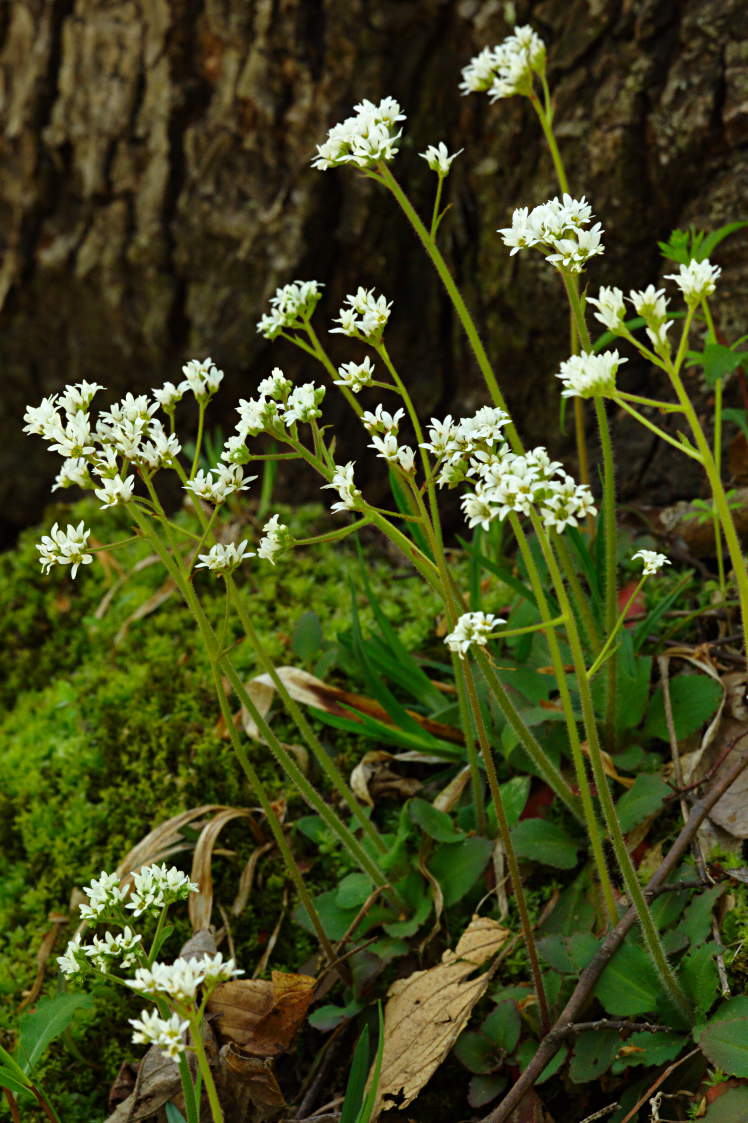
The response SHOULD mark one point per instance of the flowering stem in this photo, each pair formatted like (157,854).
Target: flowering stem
(198,439)
(712,338)
(588,809)
(389,181)
(545,116)
(625,865)
(435,212)
(663,407)
(612,635)
(198,1045)
(623,403)
(547,770)
(580,600)
(321,355)
(323,759)
(334,535)
(611,584)
(506,841)
(155,943)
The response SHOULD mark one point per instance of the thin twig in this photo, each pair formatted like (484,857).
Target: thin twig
(610,1023)
(599,1114)
(12,1105)
(660,1080)
(663,662)
(588,978)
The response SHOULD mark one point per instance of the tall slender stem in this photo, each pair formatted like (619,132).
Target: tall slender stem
(202,1062)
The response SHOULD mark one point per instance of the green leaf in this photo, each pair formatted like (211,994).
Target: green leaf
(483,1089)
(48,1021)
(717,361)
(329,1016)
(335,921)
(694,699)
(545,842)
(353,890)
(367,1108)
(9,1080)
(592,1054)
(306,639)
(404,928)
(699,977)
(476,1052)
(697,919)
(730,1107)
(514,795)
(173,1114)
(633,694)
(644,798)
(712,240)
(527,1051)
(436,824)
(574,911)
(724,1041)
(503,1027)
(629,984)
(354,1091)
(458,867)
(651,1049)
(738,417)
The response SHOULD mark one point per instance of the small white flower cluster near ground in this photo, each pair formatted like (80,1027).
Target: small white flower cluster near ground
(121,950)
(508,68)
(181,979)
(224,558)
(368,137)
(278,406)
(363,316)
(652,562)
(65,547)
(696,281)
(438,158)
(649,303)
(217,484)
(472,628)
(355,376)
(155,887)
(291,307)
(558,229)
(590,376)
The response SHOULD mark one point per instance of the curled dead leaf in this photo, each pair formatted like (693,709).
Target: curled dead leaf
(426,1013)
(260,1016)
(372,778)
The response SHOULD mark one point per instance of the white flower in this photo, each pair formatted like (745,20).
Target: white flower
(651,561)
(355,375)
(610,307)
(276,385)
(290,307)
(162,448)
(124,435)
(222,558)
(508,68)
(42,420)
(566,503)
(122,947)
(472,627)
(74,959)
(406,458)
(202,378)
(128,409)
(155,887)
(73,439)
(168,395)
(590,376)
(255,415)
(229,479)
(167,1033)
(365,317)
(77,398)
(380,421)
(303,403)
(386,447)
(557,225)
(696,280)
(441,437)
(650,303)
(573,253)
(438,159)
(522,234)
(65,548)
(364,139)
(73,473)
(276,539)
(115,490)
(181,979)
(104,896)
(342,482)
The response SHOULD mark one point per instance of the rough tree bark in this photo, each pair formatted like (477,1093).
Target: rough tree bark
(156,188)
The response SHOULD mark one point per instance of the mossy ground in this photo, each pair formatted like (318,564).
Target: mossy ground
(108,726)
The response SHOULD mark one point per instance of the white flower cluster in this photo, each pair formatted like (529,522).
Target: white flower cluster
(168,1033)
(438,158)
(472,627)
(278,406)
(275,541)
(222,559)
(363,316)
(202,378)
(590,376)
(383,428)
(355,376)
(508,68)
(104,897)
(155,887)
(290,307)
(650,303)
(696,281)
(100,953)
(558,228)
(652,562)
(217,484)
(65,547)
(366,138)
(181,979)
(342,482)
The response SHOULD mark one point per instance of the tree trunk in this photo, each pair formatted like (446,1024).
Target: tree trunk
(156,185)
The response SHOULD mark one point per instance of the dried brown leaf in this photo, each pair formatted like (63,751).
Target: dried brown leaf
(46,947)
(260,1016)
(157,1083)
(372,778)
(164,840)
(251,1084)
(201,903)
(426,1012)
(449,797)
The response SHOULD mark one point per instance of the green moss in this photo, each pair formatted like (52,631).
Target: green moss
(108,726)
